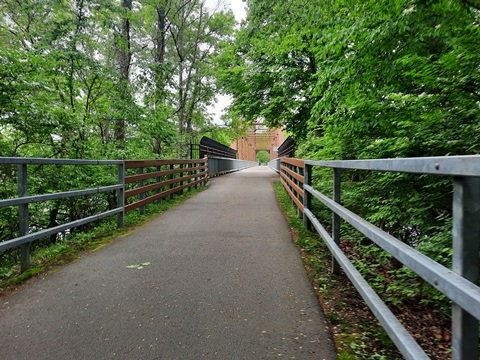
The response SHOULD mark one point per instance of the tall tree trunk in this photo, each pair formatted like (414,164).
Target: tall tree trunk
(181,100)
(124,61)
(182,94)
(188,87)
(159,55)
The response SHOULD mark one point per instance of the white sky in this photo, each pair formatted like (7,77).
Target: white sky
(238,8)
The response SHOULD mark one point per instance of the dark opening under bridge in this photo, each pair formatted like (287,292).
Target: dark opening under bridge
(218,276)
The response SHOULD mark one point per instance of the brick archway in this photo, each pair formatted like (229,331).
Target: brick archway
(263,151)
(258,138)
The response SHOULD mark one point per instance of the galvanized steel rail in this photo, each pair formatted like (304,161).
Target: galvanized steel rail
(459,284)
(24,199)
(221,165)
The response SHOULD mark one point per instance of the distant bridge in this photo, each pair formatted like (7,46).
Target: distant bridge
(258,138)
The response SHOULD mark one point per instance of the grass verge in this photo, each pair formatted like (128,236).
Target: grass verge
(355,331)
(74,246)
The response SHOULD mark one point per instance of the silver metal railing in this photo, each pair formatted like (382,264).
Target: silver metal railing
(220,165)
(24,199)
(275,164)
(459,284)
(216,166)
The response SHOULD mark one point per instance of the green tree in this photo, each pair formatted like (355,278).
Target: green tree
(101,79)
(367,79)
(356,79)
(263,157)
(270,69)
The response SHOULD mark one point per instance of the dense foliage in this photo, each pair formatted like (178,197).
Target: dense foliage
(106,78)
(263,157)
(348,79)
(366,79)
(356,79)
(363,78)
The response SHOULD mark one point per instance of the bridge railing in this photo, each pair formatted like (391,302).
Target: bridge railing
(292,178)
(158,179)
(23,200)
(275,164)
(459,284)
(220,165)
(148,181)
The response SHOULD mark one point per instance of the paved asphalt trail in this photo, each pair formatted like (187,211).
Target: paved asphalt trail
(224,282)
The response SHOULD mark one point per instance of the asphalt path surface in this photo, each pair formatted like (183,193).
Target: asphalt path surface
(216,277)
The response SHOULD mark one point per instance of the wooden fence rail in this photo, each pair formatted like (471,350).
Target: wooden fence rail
(157,179)
(291,176)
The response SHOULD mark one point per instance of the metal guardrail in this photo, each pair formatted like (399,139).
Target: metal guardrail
(168,177)
(275,164)
(207,147)
(24,199)
(211,148)
(459,284)
(220,165)
(287,148)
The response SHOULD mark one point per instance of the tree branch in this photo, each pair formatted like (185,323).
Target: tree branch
(469,3)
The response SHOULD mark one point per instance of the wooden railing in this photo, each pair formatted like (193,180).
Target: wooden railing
(292,178)
(158,179)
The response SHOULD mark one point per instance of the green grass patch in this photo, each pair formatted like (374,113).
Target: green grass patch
(47,258)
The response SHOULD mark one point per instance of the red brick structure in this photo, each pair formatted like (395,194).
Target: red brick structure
(259,138)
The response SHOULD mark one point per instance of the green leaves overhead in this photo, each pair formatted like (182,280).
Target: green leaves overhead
(270,67)
(107,78)
(355,79)
(93,79)
(370,70)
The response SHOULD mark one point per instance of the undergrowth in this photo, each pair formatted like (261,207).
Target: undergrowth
(73,245)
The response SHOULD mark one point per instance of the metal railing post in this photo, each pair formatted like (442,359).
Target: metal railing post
(307,197)
(121,195)
(159,179)
(23,216)
(299,171)
(466,262)
(336,219)
(172,195)
(205,177)
(142,195)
